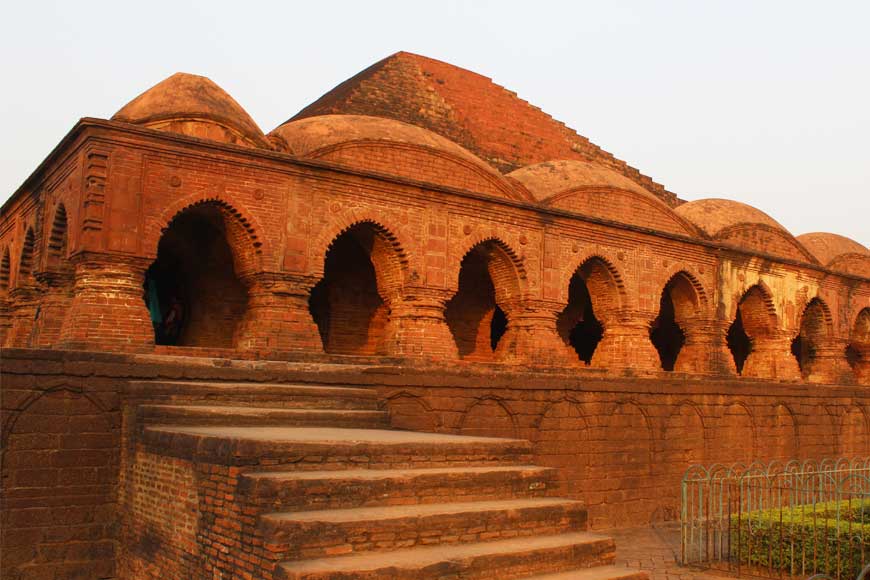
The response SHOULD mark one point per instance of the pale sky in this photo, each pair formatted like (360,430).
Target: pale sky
(764,102)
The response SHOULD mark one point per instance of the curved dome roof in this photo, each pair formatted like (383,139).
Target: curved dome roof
(549,178)
(714,215)
(307,136)
(393,148)
(189,104)
(826,246)
(592,190)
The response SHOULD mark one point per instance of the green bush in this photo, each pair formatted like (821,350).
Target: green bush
(805,539)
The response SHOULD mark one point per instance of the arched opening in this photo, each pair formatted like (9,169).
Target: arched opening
(592,289)
(476,315)
(738,342)
(191,290)
(813,329)
(753,321)
(678,303)
(350,303)
(25,265)
(858,350)
(5,267)
(665,334)
(577,324)
(57,239)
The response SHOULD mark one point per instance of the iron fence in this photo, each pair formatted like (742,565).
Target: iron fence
(778,520)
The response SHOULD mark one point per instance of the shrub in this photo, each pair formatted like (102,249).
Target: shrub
(805,539)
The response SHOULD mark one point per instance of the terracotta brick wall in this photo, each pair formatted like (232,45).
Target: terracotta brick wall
(622,446)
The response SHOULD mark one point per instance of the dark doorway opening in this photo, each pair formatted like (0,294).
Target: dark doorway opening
(191,289)
(665,334)
(577,324)
(738,342)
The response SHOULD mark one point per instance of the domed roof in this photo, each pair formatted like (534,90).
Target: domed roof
(189,104)
(306,136)
(549,178)
(391,147)
(826,246)
(592,190)
(715,215)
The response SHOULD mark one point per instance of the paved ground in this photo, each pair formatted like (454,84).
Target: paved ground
(655,550)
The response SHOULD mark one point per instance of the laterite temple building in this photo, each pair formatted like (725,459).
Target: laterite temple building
(420,330)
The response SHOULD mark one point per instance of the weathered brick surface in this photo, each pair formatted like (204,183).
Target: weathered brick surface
(573,303)
(619,445)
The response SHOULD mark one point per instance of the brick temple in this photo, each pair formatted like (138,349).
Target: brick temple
(419,330)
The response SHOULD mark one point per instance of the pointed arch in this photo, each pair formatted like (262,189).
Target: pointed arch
(488,416)
(758,311)
(604,282)
(489,286)
(241,229)
(816,325)
(410,411)
(364,270)
(58,238)
(735,437)
(194,289)
(754,320)
(595,294)
(5,269)
(783,437)
(688,294)
(854,440)
(626,440)
(26,261)
(561,440)
(387,227)
(386,253)
(683,439)
(504,265)
(858,351)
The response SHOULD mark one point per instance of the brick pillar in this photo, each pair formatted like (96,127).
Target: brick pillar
(705,350)
(108,311)
(417,328)
(862,367)
(5,319)
(626,345)
(531,337)
(57,293)
(829,364)
(24,309)
(771,358)
(277,316)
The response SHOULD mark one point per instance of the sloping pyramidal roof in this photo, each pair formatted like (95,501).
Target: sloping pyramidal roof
(469,109)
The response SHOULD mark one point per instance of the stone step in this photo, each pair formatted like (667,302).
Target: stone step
(242,394)
(288,490)
(262,416)
(314,534)
(500,559)
(327,448)
(597,573)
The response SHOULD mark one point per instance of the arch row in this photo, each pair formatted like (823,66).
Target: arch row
(729,432)
(397,271)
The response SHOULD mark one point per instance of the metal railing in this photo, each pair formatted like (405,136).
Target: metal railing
(778,520)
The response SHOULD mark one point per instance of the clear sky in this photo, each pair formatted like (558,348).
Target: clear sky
(765,102)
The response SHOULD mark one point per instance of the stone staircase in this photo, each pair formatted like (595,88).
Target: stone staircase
(329,491)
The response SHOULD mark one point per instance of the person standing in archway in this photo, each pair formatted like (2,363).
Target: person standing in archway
(173,320)
(152,301)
